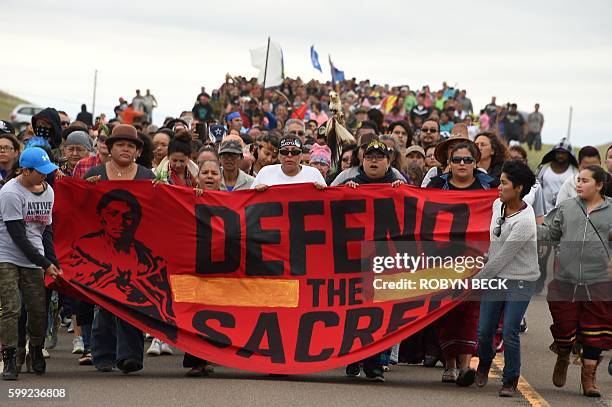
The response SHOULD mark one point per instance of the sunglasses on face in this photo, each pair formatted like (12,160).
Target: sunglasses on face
(294,153)
(429,130)
(466,160)
(65,123)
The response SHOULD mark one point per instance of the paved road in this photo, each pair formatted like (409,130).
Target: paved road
(162,383)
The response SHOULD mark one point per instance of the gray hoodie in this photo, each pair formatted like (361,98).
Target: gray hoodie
(582,256)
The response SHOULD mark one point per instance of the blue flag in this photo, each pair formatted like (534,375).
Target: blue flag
(314,57)
(336,74)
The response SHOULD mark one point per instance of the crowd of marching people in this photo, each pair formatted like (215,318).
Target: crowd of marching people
(239,138)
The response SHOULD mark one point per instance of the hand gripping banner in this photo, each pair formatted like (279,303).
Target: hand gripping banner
(290,280)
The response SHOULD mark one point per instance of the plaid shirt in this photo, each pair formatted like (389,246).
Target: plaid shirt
(85,165)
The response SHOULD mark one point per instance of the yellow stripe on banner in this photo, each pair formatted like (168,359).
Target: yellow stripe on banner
(235,292)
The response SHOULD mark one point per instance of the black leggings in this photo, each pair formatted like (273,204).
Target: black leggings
(591,352)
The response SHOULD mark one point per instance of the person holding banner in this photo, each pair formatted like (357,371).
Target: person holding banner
(579,295)
(458,328)
(513,255)
(376,169)
(115,342)
(26,253)
(209,179)
(289,171)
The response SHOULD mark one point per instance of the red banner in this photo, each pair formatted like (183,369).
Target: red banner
(280,281)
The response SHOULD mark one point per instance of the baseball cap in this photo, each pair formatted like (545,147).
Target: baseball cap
(376,145)
(36,158)
(230,146)
(415,149)
(6,128)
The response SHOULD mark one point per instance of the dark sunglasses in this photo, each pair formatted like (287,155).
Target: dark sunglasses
(65,123)
(102,138)
(429,130)
(290,152)
(466,160)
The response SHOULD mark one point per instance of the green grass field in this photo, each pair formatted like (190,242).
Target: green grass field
(7,104)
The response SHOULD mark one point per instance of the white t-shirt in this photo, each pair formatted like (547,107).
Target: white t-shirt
(274,175)
(552,183)
(567,191)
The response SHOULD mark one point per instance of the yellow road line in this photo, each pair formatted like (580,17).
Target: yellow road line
(533,397)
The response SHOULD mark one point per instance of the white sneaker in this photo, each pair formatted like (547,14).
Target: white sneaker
(155,348)
(166,349)
(77,345)
(45,353)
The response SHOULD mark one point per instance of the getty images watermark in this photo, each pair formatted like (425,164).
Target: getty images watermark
(429,266)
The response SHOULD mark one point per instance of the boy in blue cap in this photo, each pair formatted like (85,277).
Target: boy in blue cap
(26,249)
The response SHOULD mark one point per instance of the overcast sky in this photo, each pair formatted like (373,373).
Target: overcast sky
(557,53)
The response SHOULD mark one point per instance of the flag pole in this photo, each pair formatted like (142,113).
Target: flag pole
(93,107)
(263,91)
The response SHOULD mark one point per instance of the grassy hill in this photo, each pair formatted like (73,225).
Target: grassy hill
(535,157)
(8,103)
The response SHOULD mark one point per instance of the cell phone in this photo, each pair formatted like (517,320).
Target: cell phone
(202,130)
(217,132)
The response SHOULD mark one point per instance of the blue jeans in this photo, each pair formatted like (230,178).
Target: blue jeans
(513,303)
(114,340)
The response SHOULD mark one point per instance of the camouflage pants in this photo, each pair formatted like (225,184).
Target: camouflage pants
(32,285)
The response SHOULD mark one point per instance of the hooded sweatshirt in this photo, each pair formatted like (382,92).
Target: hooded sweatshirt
(583,257)
(55,138)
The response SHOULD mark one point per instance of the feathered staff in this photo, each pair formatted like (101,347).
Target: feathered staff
(335,131)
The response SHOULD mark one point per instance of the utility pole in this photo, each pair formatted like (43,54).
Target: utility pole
(569,124)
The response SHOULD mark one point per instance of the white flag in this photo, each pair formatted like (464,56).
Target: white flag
(275,64)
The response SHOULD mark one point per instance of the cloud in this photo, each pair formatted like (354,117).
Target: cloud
(525,52)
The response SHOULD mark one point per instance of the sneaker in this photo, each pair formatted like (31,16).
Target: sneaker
(66,321)
(52,338)
(129,366)
(45,353)
(155,348)
(353,370)
(165,348)
(523,327)
(379,377)
(70,328)
(430,361)
(450,375)
(104,367)
(77,345)
(466,377)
